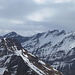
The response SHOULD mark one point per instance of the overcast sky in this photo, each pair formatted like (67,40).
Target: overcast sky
(27,17)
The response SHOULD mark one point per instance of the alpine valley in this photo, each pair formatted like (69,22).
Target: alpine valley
(56,48)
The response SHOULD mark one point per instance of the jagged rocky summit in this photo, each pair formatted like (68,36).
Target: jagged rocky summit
(15,60)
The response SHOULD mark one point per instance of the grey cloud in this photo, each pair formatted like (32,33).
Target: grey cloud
(17,8)
(63,18)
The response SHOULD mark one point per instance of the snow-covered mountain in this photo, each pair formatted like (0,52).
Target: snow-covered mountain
(15,60)
(16,36)
(55,47)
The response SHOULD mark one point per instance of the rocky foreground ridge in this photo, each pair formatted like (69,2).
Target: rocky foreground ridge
(15,60)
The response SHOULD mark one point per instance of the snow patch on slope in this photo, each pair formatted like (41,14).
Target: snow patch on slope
(41,62)
(2,71)
(26,60)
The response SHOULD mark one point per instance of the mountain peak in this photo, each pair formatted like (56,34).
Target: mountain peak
(53,31)
(62,32)
(12,32)
(10,35)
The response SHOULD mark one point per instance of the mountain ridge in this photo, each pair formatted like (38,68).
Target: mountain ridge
(17,61)
(57,48)
(16,36)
